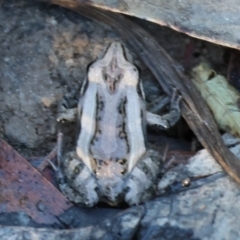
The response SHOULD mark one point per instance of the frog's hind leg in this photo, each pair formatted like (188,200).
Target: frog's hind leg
(141,181)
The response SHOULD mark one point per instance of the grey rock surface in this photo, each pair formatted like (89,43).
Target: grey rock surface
(214,21)
(209,209)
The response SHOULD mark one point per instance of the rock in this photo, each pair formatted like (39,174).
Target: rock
(213,21)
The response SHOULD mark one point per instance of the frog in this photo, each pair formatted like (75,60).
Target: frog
(112,162)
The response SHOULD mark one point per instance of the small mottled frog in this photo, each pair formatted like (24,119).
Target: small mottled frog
(111,162)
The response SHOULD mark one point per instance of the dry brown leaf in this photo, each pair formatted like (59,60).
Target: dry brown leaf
(24,189)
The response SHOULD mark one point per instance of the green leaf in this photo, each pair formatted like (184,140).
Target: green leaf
(222,98)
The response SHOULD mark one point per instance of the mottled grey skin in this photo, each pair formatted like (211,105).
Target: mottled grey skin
(81,185)
(111,162)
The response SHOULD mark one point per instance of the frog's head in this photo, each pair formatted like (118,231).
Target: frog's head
(113,71)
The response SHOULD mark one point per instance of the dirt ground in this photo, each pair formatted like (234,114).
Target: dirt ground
(44,54)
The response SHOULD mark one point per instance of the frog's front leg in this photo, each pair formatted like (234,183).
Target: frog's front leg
(169,119)
(66,114)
